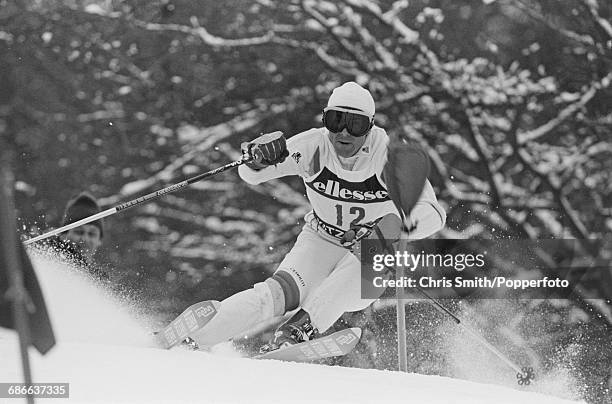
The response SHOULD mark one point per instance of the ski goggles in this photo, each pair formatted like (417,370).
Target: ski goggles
(356,123)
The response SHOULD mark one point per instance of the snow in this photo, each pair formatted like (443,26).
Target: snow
(107,355)
(94,9)
(137,186)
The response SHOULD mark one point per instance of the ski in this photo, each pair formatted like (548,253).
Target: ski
(192,319)
(337,344)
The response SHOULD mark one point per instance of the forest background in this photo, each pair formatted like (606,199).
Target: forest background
(510,98)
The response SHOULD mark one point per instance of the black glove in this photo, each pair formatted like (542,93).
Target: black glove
(266,150)
(355,234)
(387,227)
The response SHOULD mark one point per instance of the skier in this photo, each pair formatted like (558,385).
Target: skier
(341,165)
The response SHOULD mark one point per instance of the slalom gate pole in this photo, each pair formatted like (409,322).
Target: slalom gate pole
(402,355)
(137,201)
(524,375)
(16,293)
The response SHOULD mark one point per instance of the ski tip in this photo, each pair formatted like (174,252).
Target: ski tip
(357,331)
(158,336)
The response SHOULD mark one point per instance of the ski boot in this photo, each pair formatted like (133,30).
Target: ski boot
(297,329)
(190,344)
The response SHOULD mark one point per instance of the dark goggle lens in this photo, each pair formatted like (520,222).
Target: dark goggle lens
(357,125)
(334,120)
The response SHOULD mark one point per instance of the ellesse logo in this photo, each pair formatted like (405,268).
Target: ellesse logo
(204,311)
(333,188)
(346,339)
(328,184)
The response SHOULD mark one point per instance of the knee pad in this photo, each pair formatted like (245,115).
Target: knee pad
(273,298)
(291,292)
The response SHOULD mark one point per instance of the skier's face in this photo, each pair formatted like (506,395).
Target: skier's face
(87,237)
(345,144)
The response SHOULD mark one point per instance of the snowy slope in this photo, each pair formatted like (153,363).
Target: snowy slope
(108,357)
(106,373)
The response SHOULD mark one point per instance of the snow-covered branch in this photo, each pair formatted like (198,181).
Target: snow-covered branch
(555,186)
(408,36)
(536,15)
(604,24)
(195,29)
(486,160)
(210,135)
(198,31)
(440,167)
(126,63)
(100,115)
(566,112)
(330,26)
(343,66)
(386,60)
(391,18)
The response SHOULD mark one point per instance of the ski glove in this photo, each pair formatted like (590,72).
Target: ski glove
(387,227)
(385,230)
(268,149)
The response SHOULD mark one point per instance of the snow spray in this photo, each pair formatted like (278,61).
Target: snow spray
(83,311)
(500,323)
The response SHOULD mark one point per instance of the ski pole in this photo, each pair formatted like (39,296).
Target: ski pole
(524,375)
(402,354)
(137,201)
